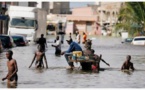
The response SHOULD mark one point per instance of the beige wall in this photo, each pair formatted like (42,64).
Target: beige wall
(108,11)
(81,16)
(81,26)
(84,11)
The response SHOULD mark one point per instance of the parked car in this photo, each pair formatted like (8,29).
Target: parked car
(140,40)
(127,40)
(20,40)
(7,41)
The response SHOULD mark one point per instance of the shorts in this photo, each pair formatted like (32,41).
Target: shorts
(14,78)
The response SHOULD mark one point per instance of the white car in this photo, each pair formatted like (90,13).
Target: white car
(140,40)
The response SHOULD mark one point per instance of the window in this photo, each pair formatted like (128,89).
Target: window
(22,22)
(51,10)
(137,39)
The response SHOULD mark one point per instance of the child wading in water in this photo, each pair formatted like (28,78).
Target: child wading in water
(39,59)
(96,64)
(127,65)
(12,76)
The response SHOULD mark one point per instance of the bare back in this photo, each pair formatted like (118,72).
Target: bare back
(39,55)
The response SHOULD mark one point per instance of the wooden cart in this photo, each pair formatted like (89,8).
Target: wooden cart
(85,64)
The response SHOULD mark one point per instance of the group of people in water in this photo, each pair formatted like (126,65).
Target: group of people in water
(88,53)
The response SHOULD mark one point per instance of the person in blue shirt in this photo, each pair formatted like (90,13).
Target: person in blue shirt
(73,47)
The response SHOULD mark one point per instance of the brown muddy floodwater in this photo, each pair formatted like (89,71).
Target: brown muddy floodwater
(113,51)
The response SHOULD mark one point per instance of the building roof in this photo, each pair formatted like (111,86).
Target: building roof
(81,18)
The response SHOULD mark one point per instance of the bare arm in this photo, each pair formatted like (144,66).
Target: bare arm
(32,60)
(62,53)
(5,77)
(132,67)
(123,66)
(54,45)
(45,61)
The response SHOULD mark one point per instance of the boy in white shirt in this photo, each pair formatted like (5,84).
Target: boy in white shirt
(57,46)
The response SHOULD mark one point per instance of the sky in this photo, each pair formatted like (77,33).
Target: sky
(79,4)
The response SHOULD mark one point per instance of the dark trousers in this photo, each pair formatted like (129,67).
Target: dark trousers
(57,51)
(42,47)
(86,65)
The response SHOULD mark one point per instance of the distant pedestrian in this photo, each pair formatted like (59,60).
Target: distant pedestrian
(78,37)
(42,42)
(84,37)
(76,32)
(12,76)
(62,36)
(61,32)
(70,36)
(57,46)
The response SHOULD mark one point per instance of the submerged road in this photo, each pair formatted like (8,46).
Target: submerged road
(112,50)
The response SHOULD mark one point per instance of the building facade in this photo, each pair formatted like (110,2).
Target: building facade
(84,19)
(59,7)
(95,18)
(108,12)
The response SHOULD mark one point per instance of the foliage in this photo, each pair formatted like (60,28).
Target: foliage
(132,17)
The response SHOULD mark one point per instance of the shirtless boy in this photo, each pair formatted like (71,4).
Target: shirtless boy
(127,64)
(12,76)
(39,59)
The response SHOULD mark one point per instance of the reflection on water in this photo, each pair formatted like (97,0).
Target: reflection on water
(11,85)
(57,76)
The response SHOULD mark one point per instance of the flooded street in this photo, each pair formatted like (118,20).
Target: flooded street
(56,76)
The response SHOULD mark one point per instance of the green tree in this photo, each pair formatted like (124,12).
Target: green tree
(132,17)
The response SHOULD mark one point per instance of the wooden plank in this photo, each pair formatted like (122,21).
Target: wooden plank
(81,60)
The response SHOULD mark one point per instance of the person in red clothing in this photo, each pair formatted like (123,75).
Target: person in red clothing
(96,64)
(84,37)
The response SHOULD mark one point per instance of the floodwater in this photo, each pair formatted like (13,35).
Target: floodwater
(57,76)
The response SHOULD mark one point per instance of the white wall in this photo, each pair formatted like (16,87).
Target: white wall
(22,3)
